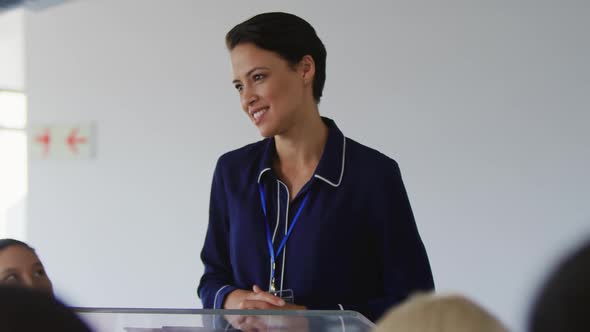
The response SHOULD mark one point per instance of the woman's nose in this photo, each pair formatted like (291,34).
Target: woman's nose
(248,97)
(28,281)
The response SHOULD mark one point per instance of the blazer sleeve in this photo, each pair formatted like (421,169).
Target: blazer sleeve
(405,264)
(217,280)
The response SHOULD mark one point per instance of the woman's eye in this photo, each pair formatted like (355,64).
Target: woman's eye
(239,87)
(10,278)
(258,77)
(40,273)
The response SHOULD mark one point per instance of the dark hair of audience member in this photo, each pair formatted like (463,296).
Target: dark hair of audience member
(563,300)
(5,243)
(27,310)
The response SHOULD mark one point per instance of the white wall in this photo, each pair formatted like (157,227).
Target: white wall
(485,107)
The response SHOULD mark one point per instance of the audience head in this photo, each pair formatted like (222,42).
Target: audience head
(20,266)
(438,313)
(27,310)
(562,303)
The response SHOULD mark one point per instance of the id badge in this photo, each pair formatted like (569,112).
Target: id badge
(286,295)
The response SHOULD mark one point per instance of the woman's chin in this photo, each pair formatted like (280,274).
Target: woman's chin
(266,135)
(266,132)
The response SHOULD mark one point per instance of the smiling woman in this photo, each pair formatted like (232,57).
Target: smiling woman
(339,206)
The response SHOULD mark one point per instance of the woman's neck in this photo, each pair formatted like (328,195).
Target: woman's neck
(302,146)
(299,152)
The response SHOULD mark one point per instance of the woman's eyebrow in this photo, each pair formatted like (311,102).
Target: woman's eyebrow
(8,270)
(250,72)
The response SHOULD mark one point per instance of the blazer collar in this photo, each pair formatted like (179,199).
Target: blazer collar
(331,166)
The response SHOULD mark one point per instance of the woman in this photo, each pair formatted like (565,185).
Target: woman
(340,208)
(20,266)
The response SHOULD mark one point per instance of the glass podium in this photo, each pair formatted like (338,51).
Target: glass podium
(193,320)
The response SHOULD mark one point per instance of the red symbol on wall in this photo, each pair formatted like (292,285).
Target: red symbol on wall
(45,140)
(73,140)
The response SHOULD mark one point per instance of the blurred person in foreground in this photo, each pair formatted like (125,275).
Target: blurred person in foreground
(429,312)
(563,300)
(24,309)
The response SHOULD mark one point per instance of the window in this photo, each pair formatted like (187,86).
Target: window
(13,163)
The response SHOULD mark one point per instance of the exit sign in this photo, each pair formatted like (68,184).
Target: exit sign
(53,141)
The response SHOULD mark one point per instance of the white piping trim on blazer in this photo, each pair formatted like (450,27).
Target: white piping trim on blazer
(277,224)
(262,172)
(341,172)
(215,299)
(278,214)
(287,214)
(319,176)
(286,228)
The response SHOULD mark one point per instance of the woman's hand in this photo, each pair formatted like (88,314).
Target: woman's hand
(285,306)
(243,299)
(257,299)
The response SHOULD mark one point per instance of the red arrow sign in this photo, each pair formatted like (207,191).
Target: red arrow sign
(73,140)
(45,140)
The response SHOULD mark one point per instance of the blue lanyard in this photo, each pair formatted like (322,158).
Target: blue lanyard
(271,249)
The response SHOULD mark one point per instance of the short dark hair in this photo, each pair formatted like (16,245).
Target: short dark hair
(5,243)
(562,303)
(290,36)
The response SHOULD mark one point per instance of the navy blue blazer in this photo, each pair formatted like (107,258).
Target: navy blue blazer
(354,247)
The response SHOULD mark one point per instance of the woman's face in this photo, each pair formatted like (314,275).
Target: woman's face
(271,91)
(19,266)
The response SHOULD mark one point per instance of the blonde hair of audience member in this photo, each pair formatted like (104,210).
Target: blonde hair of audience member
(21,267)
(438,313)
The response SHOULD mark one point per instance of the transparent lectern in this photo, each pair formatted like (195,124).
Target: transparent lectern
(193,320)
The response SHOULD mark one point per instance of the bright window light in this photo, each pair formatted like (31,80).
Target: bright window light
(13,164)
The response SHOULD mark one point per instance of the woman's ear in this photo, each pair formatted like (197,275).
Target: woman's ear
(307,68)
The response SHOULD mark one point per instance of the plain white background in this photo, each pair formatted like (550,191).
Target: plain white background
(484,104)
